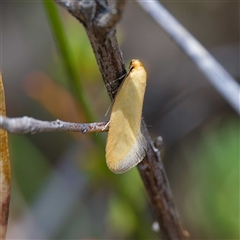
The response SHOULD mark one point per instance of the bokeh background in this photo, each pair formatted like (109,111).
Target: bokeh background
(61,187)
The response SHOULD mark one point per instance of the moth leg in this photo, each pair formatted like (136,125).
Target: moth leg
(106,126)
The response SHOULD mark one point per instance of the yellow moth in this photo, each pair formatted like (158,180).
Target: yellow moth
(126,146)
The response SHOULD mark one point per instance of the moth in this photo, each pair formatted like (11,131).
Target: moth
(126,146)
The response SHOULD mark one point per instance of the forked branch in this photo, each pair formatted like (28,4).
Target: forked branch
(99,21)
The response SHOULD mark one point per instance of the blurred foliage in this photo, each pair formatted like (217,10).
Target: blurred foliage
(203,167)
(216,185)
(209,186)
(28,166)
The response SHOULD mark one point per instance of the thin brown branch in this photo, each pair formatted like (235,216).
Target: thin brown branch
(111,65)
(5,171)
(104,43)
(156,183)
(25,125)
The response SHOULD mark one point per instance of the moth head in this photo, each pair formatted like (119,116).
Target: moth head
(135,63)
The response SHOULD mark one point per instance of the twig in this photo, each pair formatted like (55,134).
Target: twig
(215,73)
(111,65)
(104,43)
(156,183)
(5,171)
(30,125)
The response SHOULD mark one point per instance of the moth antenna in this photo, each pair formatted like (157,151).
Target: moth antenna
(121,77)
(108,110)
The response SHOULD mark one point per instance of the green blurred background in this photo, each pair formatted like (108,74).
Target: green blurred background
(61,187)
